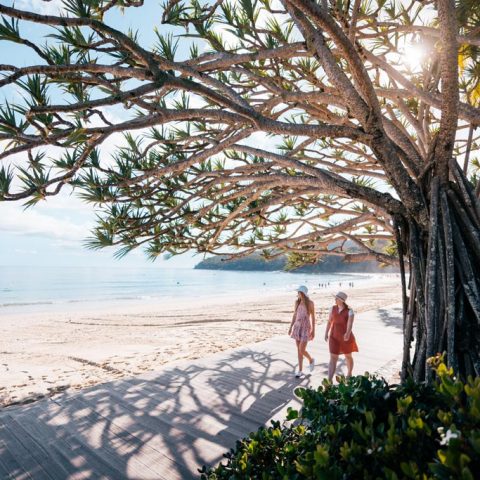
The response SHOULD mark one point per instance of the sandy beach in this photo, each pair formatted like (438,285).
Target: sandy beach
(45,353)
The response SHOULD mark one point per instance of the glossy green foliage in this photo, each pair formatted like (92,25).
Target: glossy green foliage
(365,428)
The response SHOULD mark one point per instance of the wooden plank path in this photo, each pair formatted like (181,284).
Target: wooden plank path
(167,424)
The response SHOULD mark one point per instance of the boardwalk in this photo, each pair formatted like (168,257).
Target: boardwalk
(166,424)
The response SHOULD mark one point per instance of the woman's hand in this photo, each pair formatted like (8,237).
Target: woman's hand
(346,337)
(312,335)
(290,330)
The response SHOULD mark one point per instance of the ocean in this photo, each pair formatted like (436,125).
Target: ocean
(51,288)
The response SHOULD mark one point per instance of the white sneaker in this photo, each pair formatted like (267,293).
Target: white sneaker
(312,365)
(299,374)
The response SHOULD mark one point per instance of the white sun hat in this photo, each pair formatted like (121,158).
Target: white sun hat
(341,295)
(303,289)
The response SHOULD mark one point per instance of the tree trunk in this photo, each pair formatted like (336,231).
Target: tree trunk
(442,310)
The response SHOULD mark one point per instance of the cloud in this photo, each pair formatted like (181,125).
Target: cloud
(50,7)
(25,252)
(33,222)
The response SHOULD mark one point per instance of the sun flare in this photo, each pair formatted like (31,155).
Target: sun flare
(413,55)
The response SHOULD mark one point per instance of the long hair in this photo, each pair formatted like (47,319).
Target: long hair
(306,301)
(344,302)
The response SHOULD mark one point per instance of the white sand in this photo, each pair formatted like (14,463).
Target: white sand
(43,353)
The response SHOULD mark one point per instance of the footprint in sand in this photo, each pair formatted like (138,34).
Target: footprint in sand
(58,389)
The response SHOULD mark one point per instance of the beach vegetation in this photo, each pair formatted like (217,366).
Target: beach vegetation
(295,126)
(365,428)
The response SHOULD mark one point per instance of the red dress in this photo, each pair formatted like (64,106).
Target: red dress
(336,344)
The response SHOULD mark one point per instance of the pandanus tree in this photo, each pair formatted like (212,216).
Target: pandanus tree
(296,126)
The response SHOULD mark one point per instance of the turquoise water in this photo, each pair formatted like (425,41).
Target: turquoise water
(44,286)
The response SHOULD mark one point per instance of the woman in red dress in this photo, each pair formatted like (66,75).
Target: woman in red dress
(339,335)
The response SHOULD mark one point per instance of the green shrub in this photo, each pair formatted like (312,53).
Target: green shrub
(364,428)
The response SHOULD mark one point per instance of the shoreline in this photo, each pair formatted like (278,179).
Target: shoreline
(42,354)
(150,302)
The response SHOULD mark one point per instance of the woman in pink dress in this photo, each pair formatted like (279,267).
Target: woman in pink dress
(301,329)
(339,335)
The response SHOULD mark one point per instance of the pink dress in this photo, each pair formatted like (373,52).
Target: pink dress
(301,328)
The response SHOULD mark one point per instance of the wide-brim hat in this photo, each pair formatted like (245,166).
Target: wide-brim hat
(341,295)
(303,289)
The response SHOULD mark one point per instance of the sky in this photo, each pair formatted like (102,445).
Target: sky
(54,231)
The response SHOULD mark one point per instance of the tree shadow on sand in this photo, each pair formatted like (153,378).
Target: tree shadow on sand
(162,425)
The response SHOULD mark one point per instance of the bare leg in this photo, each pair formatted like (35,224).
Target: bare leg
(305,353)
(349,362)
(300,356)
(332,366)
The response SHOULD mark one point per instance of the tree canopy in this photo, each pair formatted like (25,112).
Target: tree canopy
(284,125)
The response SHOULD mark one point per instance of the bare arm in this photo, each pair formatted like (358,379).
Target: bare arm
(351,315)
(312,315)
(329,324)
(293,319)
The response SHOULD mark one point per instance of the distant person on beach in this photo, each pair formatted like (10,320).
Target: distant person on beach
(302,328)
(339,335)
